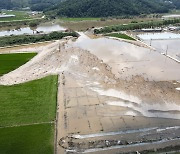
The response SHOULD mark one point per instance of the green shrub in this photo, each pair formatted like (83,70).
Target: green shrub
(33,24)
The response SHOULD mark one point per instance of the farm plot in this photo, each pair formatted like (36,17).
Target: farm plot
(9,62)
(27,116)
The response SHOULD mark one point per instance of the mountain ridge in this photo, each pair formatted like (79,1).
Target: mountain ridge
(104,8)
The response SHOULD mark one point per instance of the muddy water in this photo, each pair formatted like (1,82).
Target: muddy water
(96,116)
(171,16)
(154,36)
(128,60)
(28,30)
(171,47)
(166,42)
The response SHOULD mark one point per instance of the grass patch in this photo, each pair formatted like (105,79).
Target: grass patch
(120,35)
(79,19)
(34,139)
(27,103)
(9,62)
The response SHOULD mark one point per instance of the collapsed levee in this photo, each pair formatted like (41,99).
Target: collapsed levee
(99,111)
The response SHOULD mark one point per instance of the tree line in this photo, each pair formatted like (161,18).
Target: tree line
(133,26)
(25,39)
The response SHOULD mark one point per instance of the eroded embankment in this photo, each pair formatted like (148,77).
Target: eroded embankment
(142,96)
(96,101)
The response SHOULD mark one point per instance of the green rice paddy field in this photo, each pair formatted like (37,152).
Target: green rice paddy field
(9,62)
(33,139)
(27,112)
(31,102)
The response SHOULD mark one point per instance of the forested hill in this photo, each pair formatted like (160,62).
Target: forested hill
(93,8)
(176,3)
(36,5)
(41,5)
(104,8)
(10,4)
(5,4)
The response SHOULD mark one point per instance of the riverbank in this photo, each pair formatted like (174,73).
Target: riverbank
(24,39)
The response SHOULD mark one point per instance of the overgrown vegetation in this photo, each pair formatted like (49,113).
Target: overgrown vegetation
(9,62)
(33,139)
(133,26)
(120,35)
(33,24)
(28,103)
(24,39)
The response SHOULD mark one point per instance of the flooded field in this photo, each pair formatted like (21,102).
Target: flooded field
(113,96)
(28,30)
(169,47)
(165,43)
(128,60)
(159,36)
(171,16)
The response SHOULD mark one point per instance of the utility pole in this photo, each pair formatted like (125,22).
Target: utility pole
(166,50)
(150,42)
